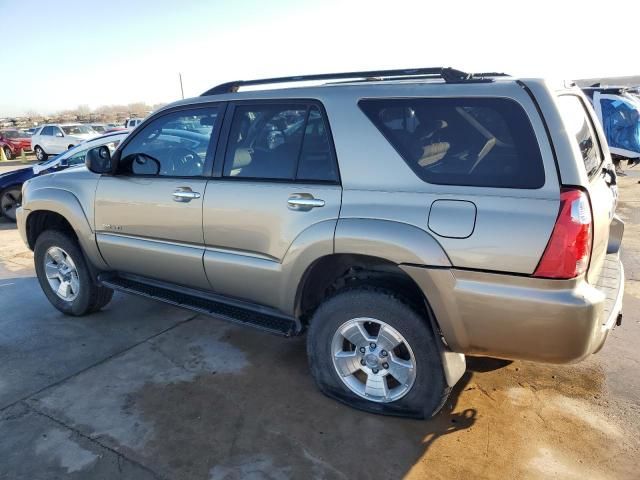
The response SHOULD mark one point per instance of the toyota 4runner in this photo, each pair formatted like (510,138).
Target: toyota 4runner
(401,218)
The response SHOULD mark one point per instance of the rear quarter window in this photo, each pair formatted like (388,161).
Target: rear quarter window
(479,142)
(580,128)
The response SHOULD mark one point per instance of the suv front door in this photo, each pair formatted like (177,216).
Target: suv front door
(276,181)
(58,141)
(149,215)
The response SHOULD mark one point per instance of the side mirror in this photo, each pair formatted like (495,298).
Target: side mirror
(64,163)
(98,160)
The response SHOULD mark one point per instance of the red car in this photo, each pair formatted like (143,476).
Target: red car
(13,142)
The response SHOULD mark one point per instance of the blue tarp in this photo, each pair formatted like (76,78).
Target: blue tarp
(621,122)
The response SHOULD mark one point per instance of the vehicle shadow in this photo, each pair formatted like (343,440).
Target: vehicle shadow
(450,421)
(283,425)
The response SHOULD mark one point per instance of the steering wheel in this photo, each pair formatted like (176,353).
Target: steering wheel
(185,162)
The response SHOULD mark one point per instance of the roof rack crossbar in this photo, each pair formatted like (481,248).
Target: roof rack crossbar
(449,75)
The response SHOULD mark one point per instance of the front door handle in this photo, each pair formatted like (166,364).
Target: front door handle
(184,194)
(303,202)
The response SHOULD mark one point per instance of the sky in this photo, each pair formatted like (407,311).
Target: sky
(61,54)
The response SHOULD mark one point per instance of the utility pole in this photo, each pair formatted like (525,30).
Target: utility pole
(181,89)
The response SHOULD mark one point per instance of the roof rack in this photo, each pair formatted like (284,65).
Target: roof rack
(615,89)
(449,75)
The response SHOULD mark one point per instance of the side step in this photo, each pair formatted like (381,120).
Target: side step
(203,302)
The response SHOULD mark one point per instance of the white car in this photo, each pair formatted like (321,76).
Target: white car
(52,139)
(132,122)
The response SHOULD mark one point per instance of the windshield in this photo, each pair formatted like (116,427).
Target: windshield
(77,129)
(13,134)
(621,122)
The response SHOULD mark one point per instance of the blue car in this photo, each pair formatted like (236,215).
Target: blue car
(11,182)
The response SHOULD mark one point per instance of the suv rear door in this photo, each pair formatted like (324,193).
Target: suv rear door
(579,121)
(276,177)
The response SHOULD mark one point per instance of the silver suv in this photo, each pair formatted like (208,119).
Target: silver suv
(401,218)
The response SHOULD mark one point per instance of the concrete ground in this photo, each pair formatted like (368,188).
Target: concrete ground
(146,391)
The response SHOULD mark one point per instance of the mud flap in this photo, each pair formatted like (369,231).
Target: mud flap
(454,365)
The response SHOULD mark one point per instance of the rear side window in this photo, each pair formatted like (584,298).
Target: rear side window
(279,142)
(579,126)
(479,142)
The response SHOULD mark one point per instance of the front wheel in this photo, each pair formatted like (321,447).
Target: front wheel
(40,155)
(10,200)
(8,153)
(64,277)
(372,350)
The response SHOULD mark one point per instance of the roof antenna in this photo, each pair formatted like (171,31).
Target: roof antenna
(181,89)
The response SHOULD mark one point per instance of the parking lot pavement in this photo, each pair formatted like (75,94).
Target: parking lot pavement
(143,390)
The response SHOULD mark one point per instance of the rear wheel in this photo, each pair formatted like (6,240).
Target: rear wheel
(10,199)
(8,153)
(371,349)
(69,147)
(64,277)
(40,155)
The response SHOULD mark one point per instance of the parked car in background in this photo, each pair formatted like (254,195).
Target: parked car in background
(29,131)
(115,128)
(618,109)
(100,128)
(133,122)
(401,223)
(52,139)
(14,142)
(11,182)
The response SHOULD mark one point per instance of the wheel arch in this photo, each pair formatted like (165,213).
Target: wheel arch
(333,273)
(48,207)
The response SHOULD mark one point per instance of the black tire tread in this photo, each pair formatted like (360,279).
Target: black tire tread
(391,297)
(94,297)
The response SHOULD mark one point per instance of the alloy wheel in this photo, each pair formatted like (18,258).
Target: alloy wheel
(373,360)
(9,202)
(62,274)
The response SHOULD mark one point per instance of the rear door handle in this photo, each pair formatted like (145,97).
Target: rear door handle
(303,202)
(185,194)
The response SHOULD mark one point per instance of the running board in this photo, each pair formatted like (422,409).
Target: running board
(202,302)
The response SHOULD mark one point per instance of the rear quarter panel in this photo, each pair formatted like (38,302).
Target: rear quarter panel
(512,225)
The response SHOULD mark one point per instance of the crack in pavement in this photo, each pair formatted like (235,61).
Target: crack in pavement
(100,362)
(119,455)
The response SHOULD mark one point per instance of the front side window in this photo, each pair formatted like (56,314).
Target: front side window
(57,132)
(579,127)
(47,131)
(481,142)
(11,134)
(279,142)
(173,145)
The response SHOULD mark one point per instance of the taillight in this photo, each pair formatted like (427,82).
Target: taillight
(568,251)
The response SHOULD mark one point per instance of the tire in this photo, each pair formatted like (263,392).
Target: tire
(427,392)
(40,155)
(69,147)
(9,201)
(86,297)
(8,153)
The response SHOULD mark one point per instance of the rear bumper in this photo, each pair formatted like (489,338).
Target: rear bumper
(557,321)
